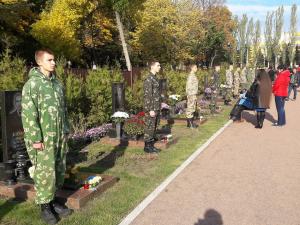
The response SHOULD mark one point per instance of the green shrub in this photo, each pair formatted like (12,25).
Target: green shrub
(176,82)
(12,71)
(98,92)
(134,95)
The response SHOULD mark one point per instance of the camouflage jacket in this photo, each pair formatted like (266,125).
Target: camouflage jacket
(192,85)
(152,97)
(229,78)
(44,114)
(237,78)
(243,76)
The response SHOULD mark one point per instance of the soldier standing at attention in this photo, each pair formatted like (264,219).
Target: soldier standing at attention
(46,128)
(236,82)
(152,101)
(229,83)
(191,92)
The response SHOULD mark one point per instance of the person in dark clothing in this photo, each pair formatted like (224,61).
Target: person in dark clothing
(257,98)
(152,101)
(271,73)
(293,84)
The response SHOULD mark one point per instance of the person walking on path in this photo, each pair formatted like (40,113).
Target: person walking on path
(152,101)
(280,91)
(44,119)
(293,84)
(191,92)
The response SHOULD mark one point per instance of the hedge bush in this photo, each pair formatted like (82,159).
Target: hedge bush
(12,72)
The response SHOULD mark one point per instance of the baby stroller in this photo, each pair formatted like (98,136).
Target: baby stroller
(247,103)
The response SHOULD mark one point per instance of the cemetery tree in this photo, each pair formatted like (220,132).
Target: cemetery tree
(268,37)
(278,25)
(292,35)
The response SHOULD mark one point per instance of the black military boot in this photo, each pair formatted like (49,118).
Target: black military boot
(194,124)
(47,214)
(153,147)
(148,147)
(60,209)
(188,122)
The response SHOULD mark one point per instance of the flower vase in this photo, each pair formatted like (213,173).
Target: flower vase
(119,130)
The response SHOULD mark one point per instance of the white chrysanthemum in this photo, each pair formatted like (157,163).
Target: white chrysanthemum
(174,97)
(120,115)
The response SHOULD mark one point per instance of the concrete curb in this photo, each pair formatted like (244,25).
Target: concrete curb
(130,217)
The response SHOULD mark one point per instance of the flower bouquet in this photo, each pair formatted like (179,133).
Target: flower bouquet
(174,99)
(92,182)
(119,117)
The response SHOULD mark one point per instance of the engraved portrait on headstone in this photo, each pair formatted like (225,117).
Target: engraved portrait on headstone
(12,129)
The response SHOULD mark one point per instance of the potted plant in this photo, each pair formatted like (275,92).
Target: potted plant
(134,126)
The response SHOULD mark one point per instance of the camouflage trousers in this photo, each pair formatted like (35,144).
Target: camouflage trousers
(49,169)
(227,94)
(191,106)
(151,124)
(236,89)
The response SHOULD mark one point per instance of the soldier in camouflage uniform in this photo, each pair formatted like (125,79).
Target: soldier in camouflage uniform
(244,84)
(229,83)
(191,92)
(45,126)
(152,101)
(236,85)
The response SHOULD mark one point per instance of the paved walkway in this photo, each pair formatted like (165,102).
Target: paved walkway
(246,176)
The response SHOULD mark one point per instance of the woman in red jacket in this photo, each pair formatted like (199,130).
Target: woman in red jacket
(280,90)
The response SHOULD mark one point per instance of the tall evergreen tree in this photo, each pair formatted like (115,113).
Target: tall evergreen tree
(292,34)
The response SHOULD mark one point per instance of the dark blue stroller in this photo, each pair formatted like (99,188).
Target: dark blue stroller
(247,103)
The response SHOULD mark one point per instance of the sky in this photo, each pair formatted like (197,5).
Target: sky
(257,9)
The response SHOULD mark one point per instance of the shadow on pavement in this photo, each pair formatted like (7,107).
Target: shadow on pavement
(211,217)
(252,118)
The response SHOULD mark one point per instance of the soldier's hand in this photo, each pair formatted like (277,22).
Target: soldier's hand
(152,113)
(38,146)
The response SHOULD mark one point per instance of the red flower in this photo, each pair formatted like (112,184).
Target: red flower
(141,114)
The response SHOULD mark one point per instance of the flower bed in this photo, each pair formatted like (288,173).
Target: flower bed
(79,140)
(134,126)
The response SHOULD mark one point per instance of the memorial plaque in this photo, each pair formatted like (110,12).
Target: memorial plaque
(118,97)
(12,129)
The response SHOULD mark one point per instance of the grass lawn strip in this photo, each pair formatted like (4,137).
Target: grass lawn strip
(139,175)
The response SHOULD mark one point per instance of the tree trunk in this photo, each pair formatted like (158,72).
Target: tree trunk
(213,59)
(247,57)
(124,45)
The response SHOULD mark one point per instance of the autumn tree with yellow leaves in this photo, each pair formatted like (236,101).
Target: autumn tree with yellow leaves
(167,31)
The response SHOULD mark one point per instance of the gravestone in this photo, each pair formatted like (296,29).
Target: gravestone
(13,145)
(163,89)
(206,84)
(118,97)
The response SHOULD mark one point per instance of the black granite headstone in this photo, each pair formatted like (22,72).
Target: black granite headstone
(12,129)
(163,89)
(118,97)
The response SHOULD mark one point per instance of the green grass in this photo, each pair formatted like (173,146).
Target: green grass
(139,175)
